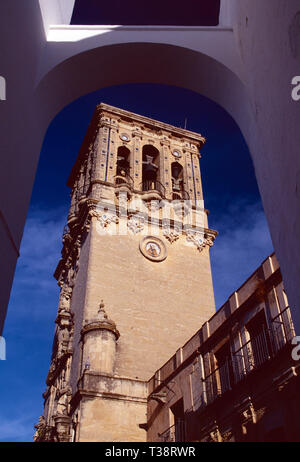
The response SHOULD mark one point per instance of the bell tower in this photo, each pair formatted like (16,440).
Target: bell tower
(135,275)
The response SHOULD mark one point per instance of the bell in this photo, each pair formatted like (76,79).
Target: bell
(149,169)
(176,184)
(176,170)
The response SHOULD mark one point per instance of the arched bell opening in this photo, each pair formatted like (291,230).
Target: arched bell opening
(123,166)
(150,175)
(178,192)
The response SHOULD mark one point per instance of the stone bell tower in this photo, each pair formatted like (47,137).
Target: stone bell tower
(135,275)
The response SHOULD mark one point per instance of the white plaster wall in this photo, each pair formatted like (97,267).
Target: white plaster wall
(56,12)
(21,41)
(263,36)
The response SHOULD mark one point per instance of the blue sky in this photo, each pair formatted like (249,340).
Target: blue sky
(230,193)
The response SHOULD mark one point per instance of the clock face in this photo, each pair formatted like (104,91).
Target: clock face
(124,137)
(153,248)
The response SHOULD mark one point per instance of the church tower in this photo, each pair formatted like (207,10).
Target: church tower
(135,275)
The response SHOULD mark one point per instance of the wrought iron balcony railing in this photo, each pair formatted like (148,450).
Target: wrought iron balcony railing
(153,185)
(123,178)
(282,330)
(180,195)
(217,383)
(175,433)
(249,357)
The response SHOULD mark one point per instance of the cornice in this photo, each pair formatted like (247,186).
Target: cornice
(151,122)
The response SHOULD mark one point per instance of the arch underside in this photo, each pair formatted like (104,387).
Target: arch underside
(143,63)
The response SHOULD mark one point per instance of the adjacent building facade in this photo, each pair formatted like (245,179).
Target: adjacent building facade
(235,379)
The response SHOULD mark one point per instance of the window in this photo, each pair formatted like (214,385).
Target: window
(259,339)
(224,365)
(220,379)
(256,347)
(177,412)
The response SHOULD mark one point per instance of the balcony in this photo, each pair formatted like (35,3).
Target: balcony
(251,356)
(180,195)
(282,330)
(217,383)
(154,187)
(175,433)
(123,179)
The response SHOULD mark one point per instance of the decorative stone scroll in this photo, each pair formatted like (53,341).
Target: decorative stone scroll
(136,224)
(106,218)
(200,240)
(171,234)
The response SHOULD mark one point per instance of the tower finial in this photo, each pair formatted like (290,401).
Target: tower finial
(101,312)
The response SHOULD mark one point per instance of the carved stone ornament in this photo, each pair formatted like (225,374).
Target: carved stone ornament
(182,208)
(71,276)
(214,435)
(227,436)
(172,234)
(209,240)
(64,319)
(62,426)
(40,429)
(56,366)
(63,398)
(101,322)
(200,240)
(136,224)
(63,341)
(247,415)
(106,218)
(65,298)
(246,411)
(196,238)
(154,205)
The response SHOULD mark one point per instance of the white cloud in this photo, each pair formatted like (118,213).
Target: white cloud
(18,429)
(39,255)
(29,326)
(242,245)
